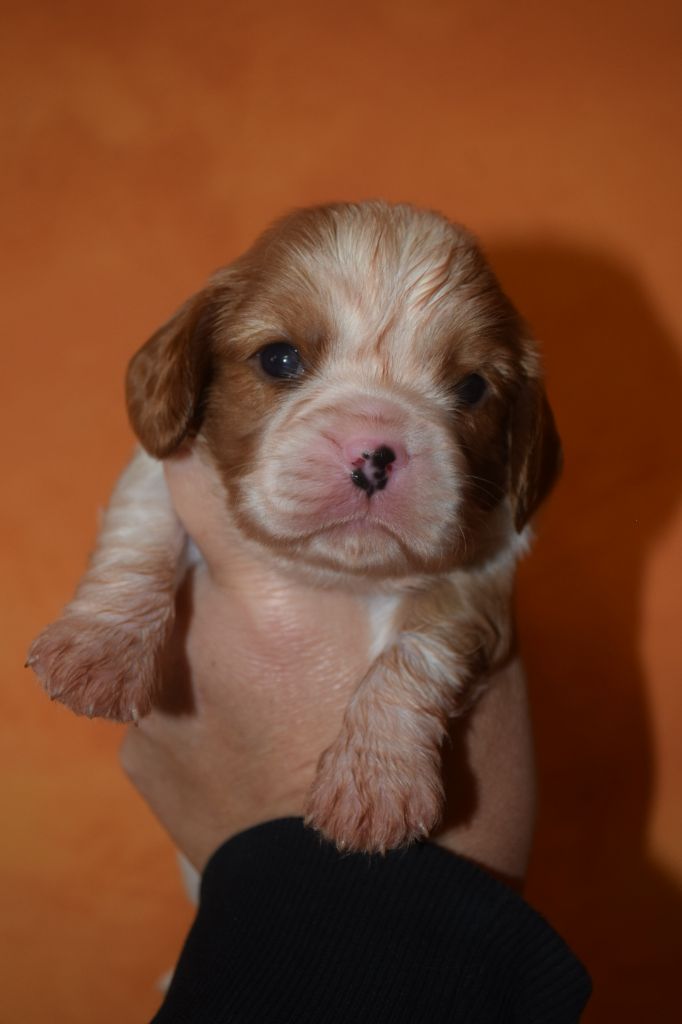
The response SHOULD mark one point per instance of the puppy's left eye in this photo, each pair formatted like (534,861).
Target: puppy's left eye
(280,359)
(471,389)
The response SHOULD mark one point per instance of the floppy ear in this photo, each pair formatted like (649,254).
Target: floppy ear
(167,378)
(535,451)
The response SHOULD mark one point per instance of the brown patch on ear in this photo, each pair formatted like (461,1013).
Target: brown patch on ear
(166,379)
(535,452)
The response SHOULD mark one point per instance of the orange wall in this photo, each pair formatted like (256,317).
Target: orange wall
(148,143)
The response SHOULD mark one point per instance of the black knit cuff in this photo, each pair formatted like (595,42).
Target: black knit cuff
(289,930)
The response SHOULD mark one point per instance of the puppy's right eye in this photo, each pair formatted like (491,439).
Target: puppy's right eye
(280,359)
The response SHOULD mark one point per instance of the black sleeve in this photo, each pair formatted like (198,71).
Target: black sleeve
(289,931)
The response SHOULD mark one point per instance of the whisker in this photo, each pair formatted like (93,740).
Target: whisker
(487,487)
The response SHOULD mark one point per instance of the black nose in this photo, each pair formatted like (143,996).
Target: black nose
(382,457)
(372,475)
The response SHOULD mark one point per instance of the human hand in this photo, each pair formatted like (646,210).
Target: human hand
(253,695)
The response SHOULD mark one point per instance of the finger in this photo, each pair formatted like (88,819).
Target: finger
(142,754)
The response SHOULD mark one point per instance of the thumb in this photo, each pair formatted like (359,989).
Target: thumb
(200,501)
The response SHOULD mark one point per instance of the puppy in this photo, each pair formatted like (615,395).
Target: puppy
(374,407)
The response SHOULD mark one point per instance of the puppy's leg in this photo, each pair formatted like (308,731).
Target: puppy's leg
(102,657)
(379,785)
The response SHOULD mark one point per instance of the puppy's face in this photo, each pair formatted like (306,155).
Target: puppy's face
(365,389)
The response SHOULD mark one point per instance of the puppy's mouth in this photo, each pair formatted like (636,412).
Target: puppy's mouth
(366,525)
(362,495)
(364,522)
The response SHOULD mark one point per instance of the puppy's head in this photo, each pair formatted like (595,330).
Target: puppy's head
(366,390)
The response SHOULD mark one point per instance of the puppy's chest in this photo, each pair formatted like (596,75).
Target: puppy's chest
(383,622)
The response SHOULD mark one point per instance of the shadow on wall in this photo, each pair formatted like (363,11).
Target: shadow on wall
(615,385)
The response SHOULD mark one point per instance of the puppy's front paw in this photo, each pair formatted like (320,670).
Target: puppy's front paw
(97,667)
(371,801)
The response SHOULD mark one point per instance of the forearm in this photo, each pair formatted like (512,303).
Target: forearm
(490,779)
